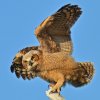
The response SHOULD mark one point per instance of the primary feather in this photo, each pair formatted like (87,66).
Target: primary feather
(54,32)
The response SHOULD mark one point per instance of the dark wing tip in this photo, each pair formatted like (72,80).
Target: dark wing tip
(17,74)
(12,69)
(72,13)
(68,6)
(64,7)
(23,76)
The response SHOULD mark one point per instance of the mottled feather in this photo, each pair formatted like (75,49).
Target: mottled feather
(54,32)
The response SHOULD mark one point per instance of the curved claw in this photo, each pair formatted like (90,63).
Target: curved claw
(53,89)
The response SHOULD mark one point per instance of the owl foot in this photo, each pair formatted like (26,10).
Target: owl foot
(54,89)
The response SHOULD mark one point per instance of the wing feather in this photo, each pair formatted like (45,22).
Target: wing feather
(54,32)
(17,66)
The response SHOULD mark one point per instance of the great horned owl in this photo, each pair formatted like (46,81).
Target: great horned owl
(52,60)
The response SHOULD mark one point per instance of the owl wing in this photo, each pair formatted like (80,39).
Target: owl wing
(18,67)
(54,32)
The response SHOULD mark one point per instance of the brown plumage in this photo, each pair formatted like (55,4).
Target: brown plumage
(17,66)
(52,60)
(54,32)
(56,68)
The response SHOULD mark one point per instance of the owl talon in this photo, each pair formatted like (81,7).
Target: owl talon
(54,91)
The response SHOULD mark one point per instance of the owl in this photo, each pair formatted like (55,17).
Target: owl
(52,60)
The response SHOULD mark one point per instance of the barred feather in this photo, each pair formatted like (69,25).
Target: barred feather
(72,13)
(84,74)
(17,66)
(54,32)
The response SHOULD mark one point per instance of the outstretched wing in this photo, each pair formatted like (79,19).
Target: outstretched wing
(54,32)
(18,67)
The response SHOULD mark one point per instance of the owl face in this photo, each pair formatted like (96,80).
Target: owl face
(30,60)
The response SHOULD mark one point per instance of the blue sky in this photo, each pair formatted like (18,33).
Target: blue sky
(19,18)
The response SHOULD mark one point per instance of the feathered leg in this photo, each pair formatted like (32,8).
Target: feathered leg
(59,83)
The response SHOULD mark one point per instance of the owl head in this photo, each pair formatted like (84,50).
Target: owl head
(30,59)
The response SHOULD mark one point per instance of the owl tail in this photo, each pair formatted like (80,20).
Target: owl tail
(84,74)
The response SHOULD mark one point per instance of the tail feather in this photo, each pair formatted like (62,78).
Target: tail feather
(88,67)
(85,74)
